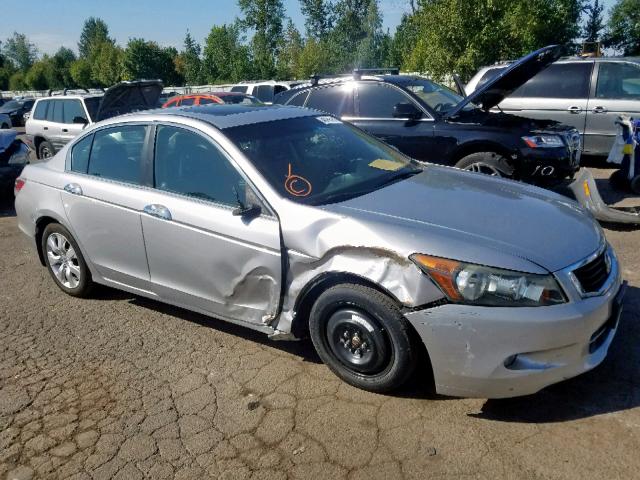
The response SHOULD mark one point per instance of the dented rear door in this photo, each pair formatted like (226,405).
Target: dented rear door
(200,255)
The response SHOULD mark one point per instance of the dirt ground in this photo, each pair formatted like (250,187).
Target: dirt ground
(123,387)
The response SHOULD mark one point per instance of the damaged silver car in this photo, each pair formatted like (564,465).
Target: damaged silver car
(293,223)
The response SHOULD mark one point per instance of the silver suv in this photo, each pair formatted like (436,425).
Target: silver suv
(57,120)
(587,93)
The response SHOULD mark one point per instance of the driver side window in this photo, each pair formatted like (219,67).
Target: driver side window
(189,164)
(377,101)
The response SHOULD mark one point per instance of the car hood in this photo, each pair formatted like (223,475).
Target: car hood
(510,79)
(128,97)
(9,109)
(480,219)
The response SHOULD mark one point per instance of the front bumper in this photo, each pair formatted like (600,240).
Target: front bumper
(472,348)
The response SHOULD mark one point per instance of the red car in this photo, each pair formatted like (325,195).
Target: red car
(214,97)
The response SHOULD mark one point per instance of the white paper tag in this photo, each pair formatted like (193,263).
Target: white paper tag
(328,120)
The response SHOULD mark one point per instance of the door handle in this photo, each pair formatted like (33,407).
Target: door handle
(157,210)
(45,128)
(73,188)
(574,109)
(65,130)
(599,109)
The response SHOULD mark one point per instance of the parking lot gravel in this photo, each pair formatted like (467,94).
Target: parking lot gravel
(122,387)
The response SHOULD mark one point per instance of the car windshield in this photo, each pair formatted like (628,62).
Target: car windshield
(437,97)
(13,104)
(320,160)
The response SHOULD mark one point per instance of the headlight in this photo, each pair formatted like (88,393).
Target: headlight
(478,285)
(543,141)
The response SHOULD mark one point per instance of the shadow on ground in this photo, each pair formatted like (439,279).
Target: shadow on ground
(611,387)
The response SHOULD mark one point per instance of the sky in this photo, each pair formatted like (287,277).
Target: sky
(52,24)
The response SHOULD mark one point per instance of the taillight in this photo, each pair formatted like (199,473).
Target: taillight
(20,182)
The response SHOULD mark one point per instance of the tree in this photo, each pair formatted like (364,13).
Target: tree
(20,51)
(106,64)
(36,77)
(264,18)
(314,58)
(289,52)
(595,23)
(17,82)
(144,59)
(58,71)
(371,48)
(94,33)
(623,28)
(80,72)
(226,59)
(458,36)
(403,42)
(189,63)
(319,17)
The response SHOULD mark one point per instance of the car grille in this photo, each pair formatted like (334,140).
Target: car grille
(594,274)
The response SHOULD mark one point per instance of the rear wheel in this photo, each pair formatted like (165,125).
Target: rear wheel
(489,163)
(45,150)
(362,336)
(65,261)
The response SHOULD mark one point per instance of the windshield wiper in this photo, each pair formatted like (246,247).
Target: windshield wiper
(399,177)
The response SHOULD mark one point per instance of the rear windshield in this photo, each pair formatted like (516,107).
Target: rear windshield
(240,99)
(320,160)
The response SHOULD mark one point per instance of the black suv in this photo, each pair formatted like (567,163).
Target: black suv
(430,122)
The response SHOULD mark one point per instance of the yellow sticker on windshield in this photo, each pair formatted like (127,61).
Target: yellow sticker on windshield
(390,165)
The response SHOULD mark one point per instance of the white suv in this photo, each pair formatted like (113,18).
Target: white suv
(264,91)
(57,120)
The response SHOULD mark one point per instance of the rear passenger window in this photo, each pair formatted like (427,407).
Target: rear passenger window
(618,80)
(186,101)
(264,93)
(40,112)
(117,153)
(189,164)
(205,101)
(377,101)
(239,88)
(73,110)
(560,80)
(80,154)
(337,100)
(55,113)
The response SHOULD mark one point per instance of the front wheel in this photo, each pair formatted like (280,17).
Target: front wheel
(362,336)
(65,261)
(489,163)
(45,150)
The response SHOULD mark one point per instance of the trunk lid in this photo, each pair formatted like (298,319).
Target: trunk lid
(128,97)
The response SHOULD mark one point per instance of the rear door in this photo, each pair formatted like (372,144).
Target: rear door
(200,254)
(616,92)
(103,198)
(74,118)
(560,92)
(374,113)
(338,100)
(52,128)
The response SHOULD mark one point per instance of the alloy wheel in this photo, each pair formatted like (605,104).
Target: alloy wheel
(63,260)
(481,167)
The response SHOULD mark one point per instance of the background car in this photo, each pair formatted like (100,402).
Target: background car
(16,109)
(5,121)
(213,97)
(586,93)
(4,100)
(14,155)
(265,91)
(58,119)
(432,123)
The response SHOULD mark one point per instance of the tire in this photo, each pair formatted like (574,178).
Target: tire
(489,163)
(351,318)
(45,150)
(65,262)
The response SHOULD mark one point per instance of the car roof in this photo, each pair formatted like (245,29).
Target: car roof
(73,97)
(228,116)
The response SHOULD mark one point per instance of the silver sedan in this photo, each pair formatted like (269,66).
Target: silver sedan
(295,224)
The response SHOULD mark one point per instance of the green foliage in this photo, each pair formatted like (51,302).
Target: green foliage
(314,58)
(36,76)
(17,81)
(319,18)
(289,52)
(458,36)
(226,59)
(188,63)
(144,59)
(20,51)
(94,33)
(106,64)
(623,32)
(80,72)
(264,18)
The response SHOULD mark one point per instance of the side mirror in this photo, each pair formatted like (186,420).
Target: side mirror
(249,211)
(406,110)
(81,120)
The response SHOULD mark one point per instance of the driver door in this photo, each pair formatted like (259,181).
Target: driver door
(374,113)
(201,255)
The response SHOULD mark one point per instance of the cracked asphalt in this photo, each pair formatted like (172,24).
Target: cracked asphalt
(123,387)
